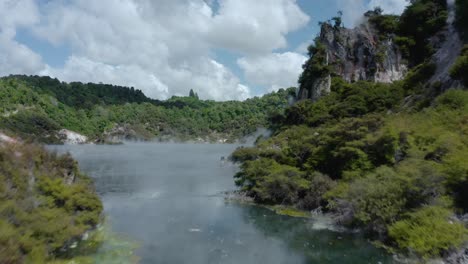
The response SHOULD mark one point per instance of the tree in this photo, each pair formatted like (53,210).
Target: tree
(191,93)
(338,19)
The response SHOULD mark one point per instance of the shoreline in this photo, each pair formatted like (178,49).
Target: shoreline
(325,221)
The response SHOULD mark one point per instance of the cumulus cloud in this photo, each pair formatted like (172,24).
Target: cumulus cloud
(276,70)
(255,28)
(389,6)
(16,57)
(163,47)
(86,70)
(353,10)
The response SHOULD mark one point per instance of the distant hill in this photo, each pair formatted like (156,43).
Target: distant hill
(40,108)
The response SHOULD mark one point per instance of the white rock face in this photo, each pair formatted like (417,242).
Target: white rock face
(5,138)
(448,52)
(72,138)
(356,54)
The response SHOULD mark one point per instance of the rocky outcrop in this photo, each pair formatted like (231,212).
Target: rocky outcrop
(457,257)
(320,87)
(448,45)
(7,139)
(356,54)
(72,138)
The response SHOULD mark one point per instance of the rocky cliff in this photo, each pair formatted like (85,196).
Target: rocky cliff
(356,54)
(448,44)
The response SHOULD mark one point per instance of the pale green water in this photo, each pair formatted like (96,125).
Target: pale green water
(167,197)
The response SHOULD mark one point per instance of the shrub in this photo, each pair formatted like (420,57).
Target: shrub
(270,182)
(374,200)
(40,211)
(453,99)
(244,153)
(459,70)
(420,21)
(416,78)
(314,198)
(428,231)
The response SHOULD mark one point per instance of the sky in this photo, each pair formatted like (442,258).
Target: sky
(222,49)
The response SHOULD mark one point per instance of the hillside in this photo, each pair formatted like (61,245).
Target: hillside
(46,203)
(40,108)
(383,155)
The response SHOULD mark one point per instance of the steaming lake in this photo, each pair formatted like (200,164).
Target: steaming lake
(168,198)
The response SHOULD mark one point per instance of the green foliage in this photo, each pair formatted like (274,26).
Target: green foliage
(367,166)
(31,124)
(347,100)
(459,70)
(37,107)
(386,25)
(45,204)
(398,173)
(405,44)
(420,21)
(411,31)
(428,231)
(193,94)
(454,99)
(338,19)
(316,67)
(418,76)
(270,182)
(80,95)
(375,200)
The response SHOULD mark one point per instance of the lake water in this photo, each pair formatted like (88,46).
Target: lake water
(167,197)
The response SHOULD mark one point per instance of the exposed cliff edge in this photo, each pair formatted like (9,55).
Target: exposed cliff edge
(448,51)
(355,55)
(384,47)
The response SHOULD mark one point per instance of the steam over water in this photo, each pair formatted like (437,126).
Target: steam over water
(167,197)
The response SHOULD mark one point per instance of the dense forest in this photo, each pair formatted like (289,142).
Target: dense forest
(46,204)
(389,159)
(38,107)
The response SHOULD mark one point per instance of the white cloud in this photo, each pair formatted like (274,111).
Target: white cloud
(303,48)
(353,10)
(255,27)
(163,47)
(86,70)
(15,57)
(389,6)
(277,70)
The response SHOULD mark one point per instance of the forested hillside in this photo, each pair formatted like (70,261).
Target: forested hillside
(46,203)
(39,107)
(389,159)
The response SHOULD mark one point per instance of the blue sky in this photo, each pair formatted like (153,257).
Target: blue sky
(224,49)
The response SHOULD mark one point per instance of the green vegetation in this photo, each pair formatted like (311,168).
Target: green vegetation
(459,70)
(386,25)
(348,155)
(428,231)
(46,204)
(420,21)
(37,107)
(411,31)
(316,66)
(389,159)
